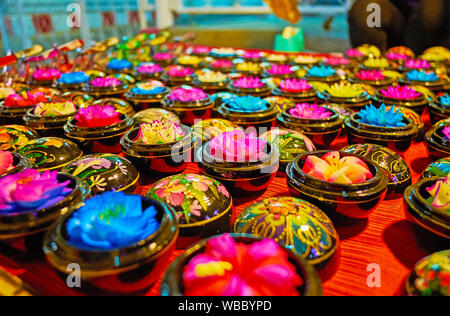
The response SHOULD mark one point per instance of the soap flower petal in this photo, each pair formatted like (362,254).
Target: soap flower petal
(446,132)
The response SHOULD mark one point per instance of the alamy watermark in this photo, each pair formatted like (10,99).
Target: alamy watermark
(74,18)
(374,17)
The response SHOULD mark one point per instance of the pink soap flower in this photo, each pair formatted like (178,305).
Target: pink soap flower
(279,70)
(332,168)
(46,74)
(236,146)
(188,94)
(251,55)
(310,111)
(371,75)
(227,268)
(337,61)
(294,85)
(446,132)
(400,92)
(29,191)
(180,71)
(201,50)
(396,56)
(97,116)
(249,83)
(417,64)
(163,56)
(24,99)
(104,82)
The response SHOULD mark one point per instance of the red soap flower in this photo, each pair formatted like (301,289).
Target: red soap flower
(97,116)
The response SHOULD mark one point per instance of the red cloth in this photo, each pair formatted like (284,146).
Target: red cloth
(386,239)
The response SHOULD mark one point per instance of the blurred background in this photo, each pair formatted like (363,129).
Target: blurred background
(237,23)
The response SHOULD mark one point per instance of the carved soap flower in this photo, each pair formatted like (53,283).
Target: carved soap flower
(236,146)
(440,194)
(227,268)
(294,85)
(223,52)
(354,53)
(248,104)
(112,220)
(446,132)
(221,64)
(46,74)
(149,68)
(376,63)
(332,168)
(105,82)
(151,87)
(321,71)
(119,64)
(310,111)
(201,50)
(417,64)
(396,56)
(24,99)
(424,76)
(97,116)
(55,108)
(211,76)
(382,117)
(188,94)
(277,58)
(6,161)
(249,83)
(401,93)
(163,56)
(157,132)
(445,99)
(248,67)
(30,191)
(179,71)
(74,78)
(370,75)
(279,70)
(337,61)
(345,90)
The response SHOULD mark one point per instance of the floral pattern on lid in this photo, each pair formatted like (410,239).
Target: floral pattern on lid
(13,137)
(157,133)
(195,198)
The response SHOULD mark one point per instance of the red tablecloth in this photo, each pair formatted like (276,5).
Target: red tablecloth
(386,239)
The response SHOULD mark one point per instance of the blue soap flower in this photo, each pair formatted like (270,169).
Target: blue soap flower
(321,72)
(119,64)
(423,76)
(140,91)
(381,117)
(445,100)
(112,220)
(247,104)
(74,78)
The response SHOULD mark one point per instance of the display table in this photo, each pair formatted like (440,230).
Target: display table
(386,238)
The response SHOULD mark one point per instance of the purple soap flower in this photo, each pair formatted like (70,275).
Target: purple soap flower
(31,191)
(149,68)
(417,64)
(180,71)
